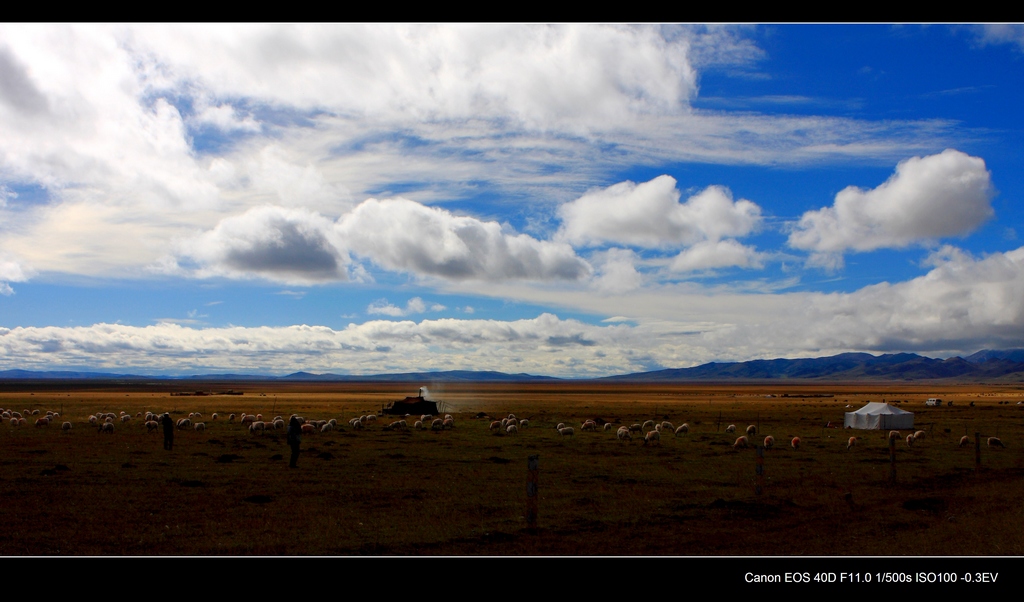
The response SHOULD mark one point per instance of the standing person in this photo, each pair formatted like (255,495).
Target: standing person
(294,430)
(168,425)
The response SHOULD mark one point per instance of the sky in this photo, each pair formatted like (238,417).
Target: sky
(571,200)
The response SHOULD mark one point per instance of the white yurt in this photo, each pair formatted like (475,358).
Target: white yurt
(878,415)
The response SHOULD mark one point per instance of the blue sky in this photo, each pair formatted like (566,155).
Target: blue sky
(570,200)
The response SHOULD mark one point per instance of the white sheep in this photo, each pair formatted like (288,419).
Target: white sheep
(418,425)
(851,442)
(200,427)
(65,427)
(731,428)
(608,426)
(918,435)
(560,426)
(668,426)
(635,428)
(512,429)
(231,418)
(769,442)
(795,443)
(107,427)
(964,441)
(623,434)
(741,442)
(327,426)
(126,418)
(683,429)
(279,424)
(437,424)
(589,425)
(995,442)
(152,425)
(647,424)
(910,440)
(893,435)
(449,423)
(495,425)
(567,431)
(652,437)
(184,423)
(751,430)
(257,426)
(213,416)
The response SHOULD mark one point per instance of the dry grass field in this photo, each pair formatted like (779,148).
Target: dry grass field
(463,491)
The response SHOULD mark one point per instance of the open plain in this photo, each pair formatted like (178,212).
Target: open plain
(462,491)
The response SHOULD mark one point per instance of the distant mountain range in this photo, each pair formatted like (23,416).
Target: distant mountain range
(986,365)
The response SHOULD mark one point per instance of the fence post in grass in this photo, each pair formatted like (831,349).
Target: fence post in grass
(892,460)
(977,452)
(759,470)
(531,491)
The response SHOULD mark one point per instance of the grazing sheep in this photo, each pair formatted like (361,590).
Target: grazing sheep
(668,426)
(607,426)
(851,442)
(107,427)
(995,442)
(623,434)
(247,419)
(652,437)
(15,422)
(418,425)
(326,427)
(213,416)
(370,418)
(426,417)
(200,427)
(731,428)
(42,422)
(560,426)
(257,426)
(358,425)
(231,418)
(259,417)
(279,424)
(184,423)
(751,430)
(438,424)
(309,429)
(769,442)
(65,427)
(126,418)
(795,442)
(910,440)
(658,427)
(449,423)
(647,424)
(495,425)
(589,425)
(741,442)
(512,429)
(512,417)
(635,428)
(567,431)
(918,435)
(152,425)
(964,441)
(893,435)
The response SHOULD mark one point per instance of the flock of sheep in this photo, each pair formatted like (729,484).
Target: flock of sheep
(649,432)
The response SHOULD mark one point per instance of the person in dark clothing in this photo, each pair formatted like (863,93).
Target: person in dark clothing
(168,425)
(294,439)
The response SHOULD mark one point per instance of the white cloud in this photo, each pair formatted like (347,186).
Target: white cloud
(402,235)
(416,305)
(1001,33)
(11,270)
(931,197)
(711,254)
(616,271)
(286,245)
(650,215)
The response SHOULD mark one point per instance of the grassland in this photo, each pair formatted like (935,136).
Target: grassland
(462,492)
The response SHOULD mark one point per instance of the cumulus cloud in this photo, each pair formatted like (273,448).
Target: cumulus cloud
(416,305)
(711,254)
(286,245)
(10,271)
(927,198)
(403,235)
(616,272)
(650,215)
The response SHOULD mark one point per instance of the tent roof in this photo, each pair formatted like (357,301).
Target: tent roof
(878,407)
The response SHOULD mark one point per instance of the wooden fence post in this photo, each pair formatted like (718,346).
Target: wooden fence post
(531,491)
